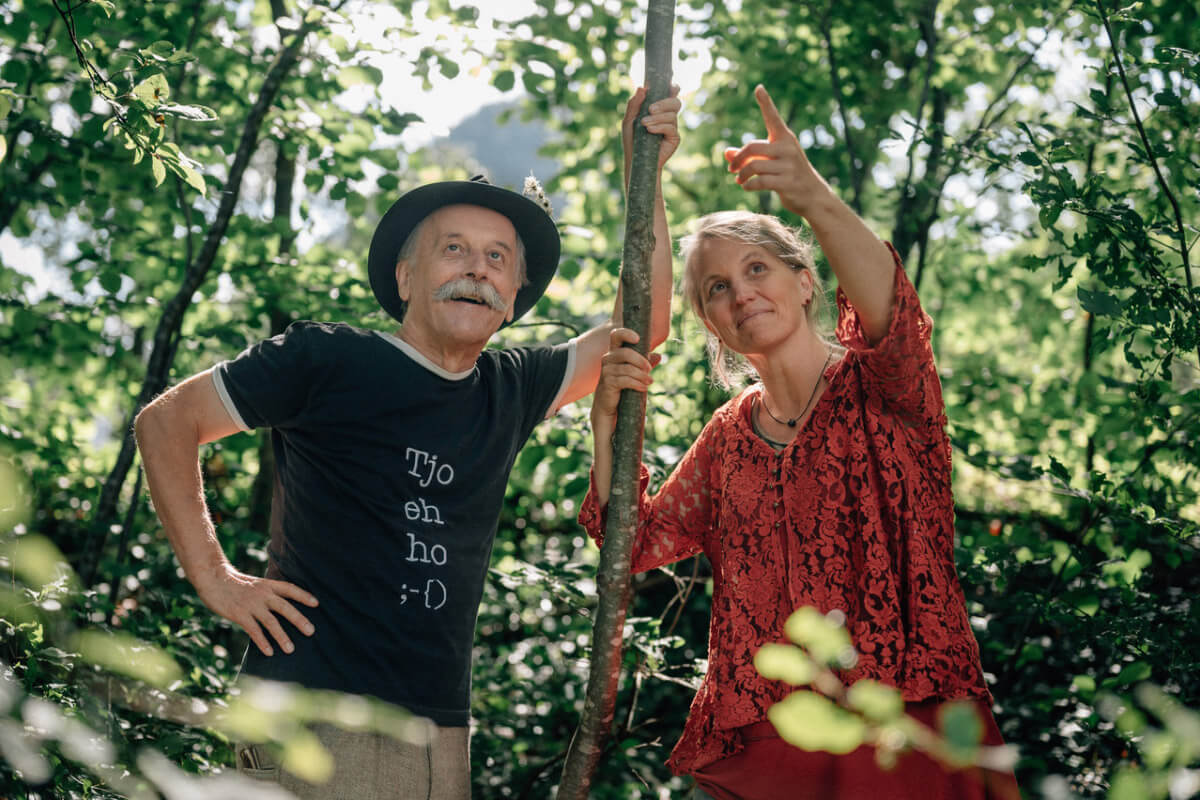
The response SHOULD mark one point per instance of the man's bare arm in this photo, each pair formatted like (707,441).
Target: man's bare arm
(169,434)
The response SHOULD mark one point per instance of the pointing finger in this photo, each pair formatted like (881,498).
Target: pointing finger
(776,127)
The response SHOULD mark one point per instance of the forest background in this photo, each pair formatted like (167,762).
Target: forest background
(194,175)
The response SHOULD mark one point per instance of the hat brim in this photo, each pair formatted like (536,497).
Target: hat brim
(535,227)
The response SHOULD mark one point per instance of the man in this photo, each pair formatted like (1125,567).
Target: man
(392,455)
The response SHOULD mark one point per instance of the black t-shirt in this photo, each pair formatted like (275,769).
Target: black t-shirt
(390,474)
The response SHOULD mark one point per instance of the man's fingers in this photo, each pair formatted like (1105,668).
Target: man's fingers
(615,359)
(776,127)
(289,612)
(269,621)
(626,377)
(293,592)
(621,336)
(256,635)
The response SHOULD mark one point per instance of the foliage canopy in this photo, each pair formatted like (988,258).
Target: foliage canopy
(196,175)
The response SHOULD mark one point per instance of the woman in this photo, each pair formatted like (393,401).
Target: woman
(827,483)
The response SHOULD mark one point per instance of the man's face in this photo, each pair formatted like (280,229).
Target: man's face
(462,280)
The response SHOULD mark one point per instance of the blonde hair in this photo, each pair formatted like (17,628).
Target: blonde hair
(789,245)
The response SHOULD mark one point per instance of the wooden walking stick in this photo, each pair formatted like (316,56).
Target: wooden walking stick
(612,579)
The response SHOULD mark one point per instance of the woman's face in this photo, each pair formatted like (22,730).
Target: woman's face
(749,298)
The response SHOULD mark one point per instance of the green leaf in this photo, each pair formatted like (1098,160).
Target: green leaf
(354,75)
(1099,302)
(5,106)
(1059,471)
(189,175)
(504,80)
(126,655)
(154,90)
(781,662)
(1135,672)
(961,727)
(110,280)
(812,722)
(159,169)
(876,702)
(193,113)
(1129,784)
(1029,157)
(160,49)
(825,640)
(1048,215)
(107,6)
(3,149)
(448,67)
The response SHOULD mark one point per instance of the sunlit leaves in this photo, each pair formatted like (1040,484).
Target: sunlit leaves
(876,702)
(813,722)
(153,90)
(961,727)
(784,663)
(821,636)
(125,655)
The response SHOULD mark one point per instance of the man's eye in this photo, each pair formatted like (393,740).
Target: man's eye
(452,248)
(496,255)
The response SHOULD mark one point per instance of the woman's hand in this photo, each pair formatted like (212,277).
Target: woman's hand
(661,118)
(778,164)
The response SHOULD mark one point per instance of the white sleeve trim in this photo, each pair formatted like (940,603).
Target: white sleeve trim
(568,376)
(226,400)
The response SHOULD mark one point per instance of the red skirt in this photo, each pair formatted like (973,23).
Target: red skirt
(768,768)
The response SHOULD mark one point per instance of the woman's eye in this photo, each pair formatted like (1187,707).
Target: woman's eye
(757,267)
(714,288)
(452,248)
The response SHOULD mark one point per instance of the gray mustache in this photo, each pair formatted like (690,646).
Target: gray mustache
(477,290)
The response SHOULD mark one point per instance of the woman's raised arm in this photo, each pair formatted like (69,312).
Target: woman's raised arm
(862,263)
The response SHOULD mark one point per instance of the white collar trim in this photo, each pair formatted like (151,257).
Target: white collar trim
(420,358)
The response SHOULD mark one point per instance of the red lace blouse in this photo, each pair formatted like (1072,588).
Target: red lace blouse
(855,514)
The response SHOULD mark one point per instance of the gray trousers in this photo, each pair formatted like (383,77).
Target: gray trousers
(371,766)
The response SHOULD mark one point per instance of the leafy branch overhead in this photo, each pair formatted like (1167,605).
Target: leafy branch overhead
(139,114)
(1036,162)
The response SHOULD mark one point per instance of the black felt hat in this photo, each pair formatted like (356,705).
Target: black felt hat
(531,221)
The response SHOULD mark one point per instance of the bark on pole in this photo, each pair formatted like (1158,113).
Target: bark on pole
(612,579)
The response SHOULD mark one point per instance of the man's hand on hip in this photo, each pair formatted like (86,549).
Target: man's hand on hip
(255,604)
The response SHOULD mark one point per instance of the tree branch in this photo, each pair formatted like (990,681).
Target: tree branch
(856,164)
(1162,181)
(169,325)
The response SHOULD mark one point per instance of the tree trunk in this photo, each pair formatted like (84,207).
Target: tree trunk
(612,580)
(166,335)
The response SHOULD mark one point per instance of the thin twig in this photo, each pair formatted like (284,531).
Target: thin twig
(1162,182)
(856,177)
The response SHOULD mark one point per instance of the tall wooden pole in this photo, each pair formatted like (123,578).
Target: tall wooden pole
(612,579)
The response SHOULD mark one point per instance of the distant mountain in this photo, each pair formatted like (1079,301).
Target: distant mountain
(507,151)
